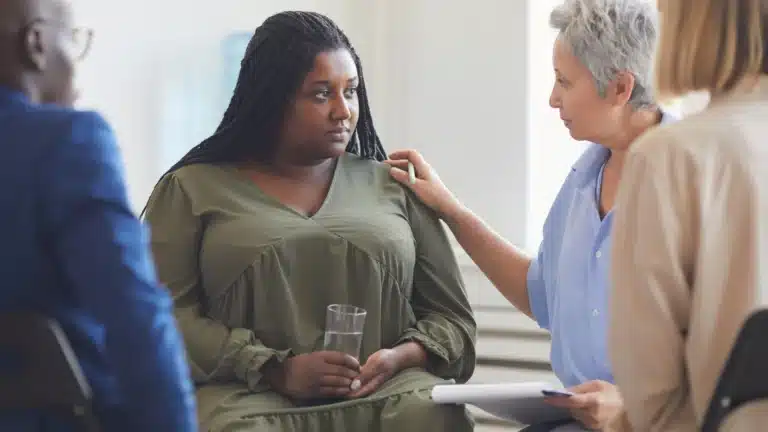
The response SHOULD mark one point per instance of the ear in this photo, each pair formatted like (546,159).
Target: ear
(622,87)
(34,47)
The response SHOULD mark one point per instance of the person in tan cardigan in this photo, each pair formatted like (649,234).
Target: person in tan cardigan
(690,249)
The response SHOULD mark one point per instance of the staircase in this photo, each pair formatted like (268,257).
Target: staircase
(510,346)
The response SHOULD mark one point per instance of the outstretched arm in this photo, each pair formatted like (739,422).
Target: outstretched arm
(505,265)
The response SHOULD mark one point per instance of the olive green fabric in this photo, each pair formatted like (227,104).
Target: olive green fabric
(251,280)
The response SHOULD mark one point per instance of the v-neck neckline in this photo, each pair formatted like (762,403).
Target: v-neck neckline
(259,191)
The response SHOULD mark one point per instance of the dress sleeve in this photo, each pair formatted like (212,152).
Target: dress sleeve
(445,325)
(215,352)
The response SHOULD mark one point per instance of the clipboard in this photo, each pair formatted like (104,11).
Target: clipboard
(745,375)
(521,402)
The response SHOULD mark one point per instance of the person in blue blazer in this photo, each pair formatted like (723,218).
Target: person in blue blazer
(71,247)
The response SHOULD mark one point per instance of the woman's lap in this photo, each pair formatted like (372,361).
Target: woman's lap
(402,404)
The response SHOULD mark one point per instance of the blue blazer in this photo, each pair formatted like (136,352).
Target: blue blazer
(71,248)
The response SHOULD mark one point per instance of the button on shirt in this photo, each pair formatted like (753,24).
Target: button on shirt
(568,279)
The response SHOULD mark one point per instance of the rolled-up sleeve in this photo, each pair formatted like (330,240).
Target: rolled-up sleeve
(537,290)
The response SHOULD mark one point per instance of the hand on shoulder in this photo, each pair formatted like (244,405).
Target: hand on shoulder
(424,181)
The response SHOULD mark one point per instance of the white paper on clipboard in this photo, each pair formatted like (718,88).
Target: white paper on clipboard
(519,402)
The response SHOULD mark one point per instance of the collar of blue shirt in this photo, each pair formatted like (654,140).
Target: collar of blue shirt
(595,154)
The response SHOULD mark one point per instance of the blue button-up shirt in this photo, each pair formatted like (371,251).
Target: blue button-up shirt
(568,280)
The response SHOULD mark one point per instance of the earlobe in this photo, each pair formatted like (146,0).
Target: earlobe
(34,48)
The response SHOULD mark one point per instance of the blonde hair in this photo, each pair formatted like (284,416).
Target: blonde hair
(710,45)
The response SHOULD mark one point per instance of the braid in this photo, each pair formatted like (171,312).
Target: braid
(365,142)
(279,55)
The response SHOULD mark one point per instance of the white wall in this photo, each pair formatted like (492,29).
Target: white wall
(551,151)
(456,83)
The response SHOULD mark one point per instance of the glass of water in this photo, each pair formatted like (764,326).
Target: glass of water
(344,329)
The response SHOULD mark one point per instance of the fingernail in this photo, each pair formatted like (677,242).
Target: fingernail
(355,385)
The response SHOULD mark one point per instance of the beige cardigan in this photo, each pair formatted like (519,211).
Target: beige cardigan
(690,252)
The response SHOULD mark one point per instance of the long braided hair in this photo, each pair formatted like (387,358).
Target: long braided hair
(279,55)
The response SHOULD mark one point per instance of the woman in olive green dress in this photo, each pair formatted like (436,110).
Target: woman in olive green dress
(285,210)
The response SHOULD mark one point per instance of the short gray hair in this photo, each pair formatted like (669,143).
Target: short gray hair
(609,36)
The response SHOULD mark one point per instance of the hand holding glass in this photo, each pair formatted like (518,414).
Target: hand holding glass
(344,329)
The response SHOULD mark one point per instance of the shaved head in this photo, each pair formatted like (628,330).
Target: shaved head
(35,49)
(15,14)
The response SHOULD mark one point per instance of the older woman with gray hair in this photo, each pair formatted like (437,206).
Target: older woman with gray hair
(602,60)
